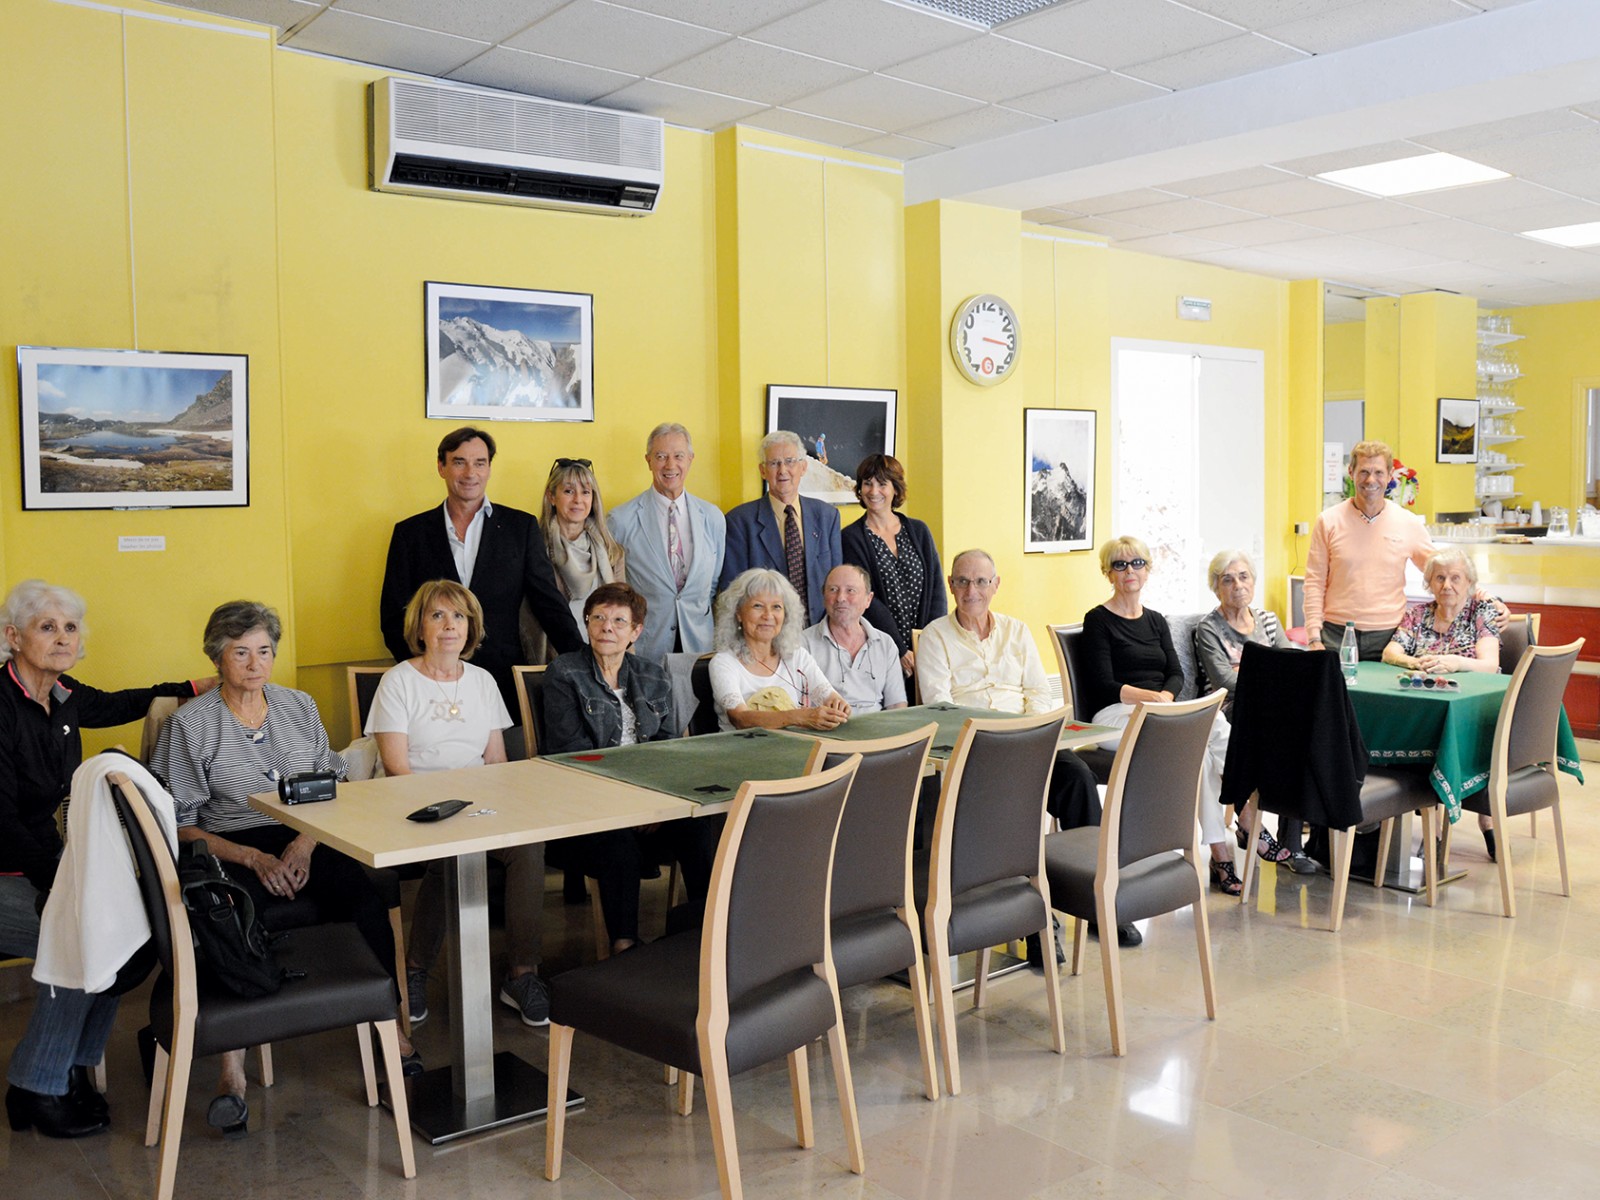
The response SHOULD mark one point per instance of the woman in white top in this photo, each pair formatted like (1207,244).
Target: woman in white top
(437,712)
(582,551)
(762,677)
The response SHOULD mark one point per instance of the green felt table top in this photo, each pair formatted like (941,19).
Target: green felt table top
(704,770)
(949,718)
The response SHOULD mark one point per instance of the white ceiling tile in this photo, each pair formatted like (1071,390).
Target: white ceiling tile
(815,129)
(1094,206)
(384,43)
(1354,254)
(1255,14)
(680,105)
(1364,22)
(539,75)
(884,103)
(1533,156)
(892,145)
(739,67)
(1177,216)
(1261,232)
(1171,245)
(1582,180)
(719,14)
(1554,293)
(1255,261)
(1218,61)
(1591,111)
(617,39)
(1496,196)
(1084,96)
(1550,120)
(1115,33)
(991,68)
(1360,156)
(1354,218)
(1541,216)
(1106,227)
(978,125)
(1045,216)
(483,20)
(1445,238)
(1228,181)
(864,35)
(1291,196)
(282,13)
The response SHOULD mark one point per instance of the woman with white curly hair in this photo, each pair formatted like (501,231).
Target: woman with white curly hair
(762,677)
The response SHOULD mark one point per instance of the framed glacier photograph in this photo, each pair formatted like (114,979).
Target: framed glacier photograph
(133,429)
(1058,446)
(508,354)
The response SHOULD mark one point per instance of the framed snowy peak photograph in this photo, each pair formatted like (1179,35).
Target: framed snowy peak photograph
(1058,452)
(508,354)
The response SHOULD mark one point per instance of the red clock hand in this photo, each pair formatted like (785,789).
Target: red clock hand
(996,341)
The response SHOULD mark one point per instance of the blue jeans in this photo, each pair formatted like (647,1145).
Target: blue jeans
(19,919)
(68,1028)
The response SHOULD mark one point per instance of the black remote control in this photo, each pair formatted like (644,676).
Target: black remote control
(437,812)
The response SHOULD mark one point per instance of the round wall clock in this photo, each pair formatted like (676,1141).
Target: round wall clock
(984,339)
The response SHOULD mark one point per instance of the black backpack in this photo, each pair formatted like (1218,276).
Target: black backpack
(232,950)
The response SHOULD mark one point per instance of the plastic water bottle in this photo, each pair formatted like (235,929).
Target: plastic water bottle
(1349,653)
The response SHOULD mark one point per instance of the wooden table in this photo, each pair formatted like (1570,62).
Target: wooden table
(532,801)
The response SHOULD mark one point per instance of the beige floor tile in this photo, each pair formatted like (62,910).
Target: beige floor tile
(1495,1157)
(959,1151)
(1533,1023)
(1103,1183)
(1451,1064)
(1568,1104)
(1390,985)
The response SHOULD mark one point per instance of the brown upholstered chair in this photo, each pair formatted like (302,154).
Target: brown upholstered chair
(874,914)
(1522,764)
(1144,859)
(756,984)
(986,883)
(343,984)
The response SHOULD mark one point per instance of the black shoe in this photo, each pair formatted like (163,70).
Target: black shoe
(1036,950)
(53,1116)
(1128,936)
(81,1092)
(411,1064)
(1488,841)
(230,1114)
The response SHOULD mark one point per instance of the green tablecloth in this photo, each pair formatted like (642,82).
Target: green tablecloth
(1453,730)
(949,717)
(704,770)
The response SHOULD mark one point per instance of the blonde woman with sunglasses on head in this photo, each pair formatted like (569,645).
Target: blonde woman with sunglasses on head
(582,551)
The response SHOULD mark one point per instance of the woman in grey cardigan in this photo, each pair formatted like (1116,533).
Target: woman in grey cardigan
(1219,640)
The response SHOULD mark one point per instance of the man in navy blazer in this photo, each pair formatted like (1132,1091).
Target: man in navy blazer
(679,617)
(756,529)
(496,551)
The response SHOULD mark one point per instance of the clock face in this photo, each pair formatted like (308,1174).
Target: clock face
(983,339)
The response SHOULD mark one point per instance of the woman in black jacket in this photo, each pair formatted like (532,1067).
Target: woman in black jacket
(899,556)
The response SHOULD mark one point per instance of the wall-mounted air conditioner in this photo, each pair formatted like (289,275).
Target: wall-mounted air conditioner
(440,139)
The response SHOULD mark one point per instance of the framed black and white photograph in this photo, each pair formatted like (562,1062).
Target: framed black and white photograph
(1058,450)
(838,428)
(509,354)
(1458,430)
(133,429)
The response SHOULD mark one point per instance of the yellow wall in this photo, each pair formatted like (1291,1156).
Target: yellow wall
(1560,359)
(231,214)
(1439,336)
(1344,359)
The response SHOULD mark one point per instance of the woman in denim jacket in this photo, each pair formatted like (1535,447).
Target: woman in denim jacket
(603,696)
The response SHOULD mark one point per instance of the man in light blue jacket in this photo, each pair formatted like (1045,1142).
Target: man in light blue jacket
(675,543)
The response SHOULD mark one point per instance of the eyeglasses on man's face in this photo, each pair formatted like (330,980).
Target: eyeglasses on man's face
(1129,564)
(772,464)
(961,583)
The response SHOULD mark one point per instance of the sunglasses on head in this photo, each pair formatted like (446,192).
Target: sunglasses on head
(564,463)
(1122,564)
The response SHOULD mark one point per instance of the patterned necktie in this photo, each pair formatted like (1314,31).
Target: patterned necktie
(793,552)
(680,568)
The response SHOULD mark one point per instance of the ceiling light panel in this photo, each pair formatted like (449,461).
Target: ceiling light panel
(1586,234)
(1419,173)
(980,14)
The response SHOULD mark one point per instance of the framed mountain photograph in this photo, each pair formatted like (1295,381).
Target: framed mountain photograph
(133,429)
(1058,446)
(508,354)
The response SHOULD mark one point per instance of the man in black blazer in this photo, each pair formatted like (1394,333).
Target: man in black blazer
(496,551)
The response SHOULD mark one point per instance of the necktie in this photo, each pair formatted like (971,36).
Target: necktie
(794,553)
(680,568)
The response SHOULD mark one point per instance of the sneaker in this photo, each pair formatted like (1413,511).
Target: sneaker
(529,996)
(417,994)
(1302,864)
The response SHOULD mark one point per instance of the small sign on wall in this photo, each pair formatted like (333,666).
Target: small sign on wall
(1193,308)
(141,544)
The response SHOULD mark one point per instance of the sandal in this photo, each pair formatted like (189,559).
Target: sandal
(1225,879)
(1271,851)
(230,1114)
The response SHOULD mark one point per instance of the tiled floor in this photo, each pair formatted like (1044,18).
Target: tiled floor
(1415,1055)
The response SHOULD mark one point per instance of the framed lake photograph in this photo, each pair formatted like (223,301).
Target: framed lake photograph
(1458,430)
(508,354)
(133,429)
(1058,455)
(838,427)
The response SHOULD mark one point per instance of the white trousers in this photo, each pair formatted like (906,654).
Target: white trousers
(1212,827)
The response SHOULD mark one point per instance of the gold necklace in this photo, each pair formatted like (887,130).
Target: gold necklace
(453,702)
(239,714)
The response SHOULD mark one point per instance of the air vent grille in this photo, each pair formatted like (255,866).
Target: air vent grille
(985,14)
(409,170)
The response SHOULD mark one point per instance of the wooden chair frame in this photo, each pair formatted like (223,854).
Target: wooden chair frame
(170,1083)
(713,1020)
(940,902)
(1108,874)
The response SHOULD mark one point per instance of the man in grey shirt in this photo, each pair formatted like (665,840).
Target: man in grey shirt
(862,662)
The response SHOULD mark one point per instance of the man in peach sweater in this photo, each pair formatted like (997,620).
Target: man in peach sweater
(1356,567)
